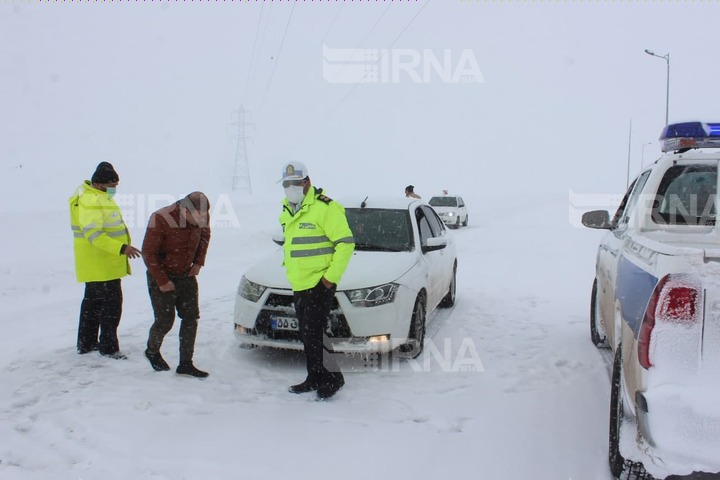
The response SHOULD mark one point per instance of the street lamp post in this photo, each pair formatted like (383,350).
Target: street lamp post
(665,57)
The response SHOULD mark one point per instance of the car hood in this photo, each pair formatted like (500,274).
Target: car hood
(365,269)
(445,209)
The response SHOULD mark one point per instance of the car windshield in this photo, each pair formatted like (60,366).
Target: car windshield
(443,202)
(381,230)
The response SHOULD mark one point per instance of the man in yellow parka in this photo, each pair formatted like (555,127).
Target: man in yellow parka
(102,248)
(318,246)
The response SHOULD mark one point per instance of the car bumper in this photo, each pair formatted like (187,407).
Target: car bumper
(355,345)
(351,329)
(682,424)
(450,220)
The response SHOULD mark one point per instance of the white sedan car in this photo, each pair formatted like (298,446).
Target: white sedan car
(451,209)
(403,267)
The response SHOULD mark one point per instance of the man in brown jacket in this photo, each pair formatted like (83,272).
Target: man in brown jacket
(174,249)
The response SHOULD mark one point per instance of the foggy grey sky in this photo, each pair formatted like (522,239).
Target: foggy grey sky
(152,87)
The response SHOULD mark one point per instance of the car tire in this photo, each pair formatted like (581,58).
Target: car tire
(465,223)
(620,467)
(416,334)
(449,299)
(457,223)
(597,336)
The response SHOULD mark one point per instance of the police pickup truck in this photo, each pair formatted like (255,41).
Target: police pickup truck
(655,304)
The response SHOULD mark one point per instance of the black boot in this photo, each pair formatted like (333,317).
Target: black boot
(157,362)
(83,350)
(189,369)
(330,388)
(304,387)
(118,355)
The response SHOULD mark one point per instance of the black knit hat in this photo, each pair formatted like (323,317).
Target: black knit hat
(105,173)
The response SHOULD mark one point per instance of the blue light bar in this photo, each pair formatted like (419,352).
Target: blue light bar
(677,136)
(713,129)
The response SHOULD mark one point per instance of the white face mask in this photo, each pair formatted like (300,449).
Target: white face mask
(295,194)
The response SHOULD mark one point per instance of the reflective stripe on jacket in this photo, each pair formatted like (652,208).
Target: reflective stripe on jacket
(98,235)
(318,241)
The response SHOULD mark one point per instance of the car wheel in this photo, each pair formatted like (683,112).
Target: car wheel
(596,334)
(416,334)
(449,299)
(619,466)
(466,221)
(457,223)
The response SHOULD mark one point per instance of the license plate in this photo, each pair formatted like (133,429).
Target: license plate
(284,323)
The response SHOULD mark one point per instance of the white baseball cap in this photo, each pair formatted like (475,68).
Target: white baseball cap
(293,171)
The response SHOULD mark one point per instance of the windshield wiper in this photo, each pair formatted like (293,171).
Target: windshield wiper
(377,248)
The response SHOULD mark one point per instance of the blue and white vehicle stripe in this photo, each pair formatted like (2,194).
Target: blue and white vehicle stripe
(633,289)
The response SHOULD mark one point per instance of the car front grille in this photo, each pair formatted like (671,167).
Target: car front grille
(282,304)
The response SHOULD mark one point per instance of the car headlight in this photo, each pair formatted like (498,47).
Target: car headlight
(250,290)
(373,296)
(450,214)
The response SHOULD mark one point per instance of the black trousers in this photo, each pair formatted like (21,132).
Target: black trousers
(184,299)
(101,310)
(313,311)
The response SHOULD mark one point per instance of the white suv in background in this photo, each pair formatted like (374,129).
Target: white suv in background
(451,209)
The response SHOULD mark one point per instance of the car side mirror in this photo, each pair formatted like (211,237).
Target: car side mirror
(598,219)
(279,238)
(435,243)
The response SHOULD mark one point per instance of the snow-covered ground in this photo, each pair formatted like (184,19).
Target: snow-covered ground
(536,409)
(155,88)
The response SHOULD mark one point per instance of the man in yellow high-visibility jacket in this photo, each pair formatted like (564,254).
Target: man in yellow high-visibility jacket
(102,248)
(318,246)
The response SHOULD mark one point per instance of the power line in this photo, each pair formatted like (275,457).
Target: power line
(377,22)
(252,56)
(388,48)
(408,25)
(277,58)
(241,174)
(332,24)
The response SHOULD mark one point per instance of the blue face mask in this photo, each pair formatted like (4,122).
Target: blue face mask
(111,191)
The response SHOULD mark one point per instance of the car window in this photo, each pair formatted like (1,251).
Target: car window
(443,202)
(687,195)
(380,229)
(461,203)
(621,208)
(636,191)
(436,225)
(423,226)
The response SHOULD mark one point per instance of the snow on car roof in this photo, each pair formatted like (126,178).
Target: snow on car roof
(391,203)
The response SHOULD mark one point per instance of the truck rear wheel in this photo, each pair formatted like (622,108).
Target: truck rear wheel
(620,467)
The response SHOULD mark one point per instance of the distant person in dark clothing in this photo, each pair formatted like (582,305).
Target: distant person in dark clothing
(102,249)
(174,249)
(410,192)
